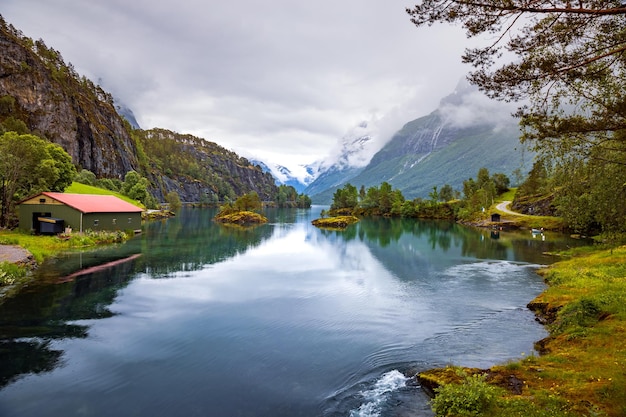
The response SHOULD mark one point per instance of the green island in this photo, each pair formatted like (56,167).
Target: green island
(244,211)
(335,222)
(241,217)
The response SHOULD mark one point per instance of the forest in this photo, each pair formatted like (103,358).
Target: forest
(445,203)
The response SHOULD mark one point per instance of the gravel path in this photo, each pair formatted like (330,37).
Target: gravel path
(503,208)
(15,254)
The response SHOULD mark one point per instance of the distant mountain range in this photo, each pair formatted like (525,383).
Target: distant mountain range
(466,132)
(352,153)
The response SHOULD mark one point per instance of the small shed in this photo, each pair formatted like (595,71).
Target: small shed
(495,217)
(50,212)
(50,225)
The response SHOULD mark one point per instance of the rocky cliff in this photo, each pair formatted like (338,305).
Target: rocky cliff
(200,170)
(41,94)
(55,103)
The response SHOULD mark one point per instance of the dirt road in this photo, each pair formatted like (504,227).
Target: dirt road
(503,208)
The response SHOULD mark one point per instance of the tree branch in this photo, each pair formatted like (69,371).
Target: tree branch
(546,10)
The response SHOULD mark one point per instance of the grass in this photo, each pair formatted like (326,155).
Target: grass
(42,247)
(507,196)
(527,221)
(582,368)
(537,222)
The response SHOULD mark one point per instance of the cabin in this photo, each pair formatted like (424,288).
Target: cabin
(53,213)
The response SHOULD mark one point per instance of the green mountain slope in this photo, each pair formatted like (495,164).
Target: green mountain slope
(457,156)
(198,169)
(435,150)
(41,94)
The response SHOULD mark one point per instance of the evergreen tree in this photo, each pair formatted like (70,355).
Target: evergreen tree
(346,197)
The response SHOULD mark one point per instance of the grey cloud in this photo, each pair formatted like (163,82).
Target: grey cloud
(284,78)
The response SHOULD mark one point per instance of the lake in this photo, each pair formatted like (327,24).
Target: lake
(192,318)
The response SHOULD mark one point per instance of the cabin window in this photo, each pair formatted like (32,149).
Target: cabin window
(130,220)
(96,222)
(114,221)
(42,200)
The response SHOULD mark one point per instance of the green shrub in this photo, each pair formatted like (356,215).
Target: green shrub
(91,238)
(472,397)
(577,315)
(10,273)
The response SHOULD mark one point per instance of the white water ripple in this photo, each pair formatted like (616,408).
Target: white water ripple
(376,397)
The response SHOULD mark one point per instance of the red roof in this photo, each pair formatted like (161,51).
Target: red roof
(92,203)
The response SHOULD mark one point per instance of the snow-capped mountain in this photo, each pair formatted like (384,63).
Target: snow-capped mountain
(351,154)
(298,177)
(465,133)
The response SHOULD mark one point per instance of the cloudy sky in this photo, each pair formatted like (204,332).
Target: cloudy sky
(280,80)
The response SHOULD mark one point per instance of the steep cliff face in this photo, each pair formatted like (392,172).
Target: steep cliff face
(56,103)
(200,170)
(44,93)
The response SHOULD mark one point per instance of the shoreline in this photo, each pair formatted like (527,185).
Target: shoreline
(580,369)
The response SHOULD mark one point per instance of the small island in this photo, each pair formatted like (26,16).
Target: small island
(242,211)
(335,222)
(242,217)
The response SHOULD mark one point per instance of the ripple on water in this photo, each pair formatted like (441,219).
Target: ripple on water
(389,393)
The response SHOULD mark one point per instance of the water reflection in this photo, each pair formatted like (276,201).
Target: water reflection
(82,285)
(48,310)
(192,240)
(444,235)
(278,320)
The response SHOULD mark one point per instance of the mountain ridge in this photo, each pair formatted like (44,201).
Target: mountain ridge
(466,132)
(44,96)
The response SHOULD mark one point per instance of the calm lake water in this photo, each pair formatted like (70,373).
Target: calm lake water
(196,319)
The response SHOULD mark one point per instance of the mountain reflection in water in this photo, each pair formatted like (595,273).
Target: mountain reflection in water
(283,319)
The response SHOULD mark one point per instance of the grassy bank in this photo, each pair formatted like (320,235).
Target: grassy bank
(42,247)
(582,367)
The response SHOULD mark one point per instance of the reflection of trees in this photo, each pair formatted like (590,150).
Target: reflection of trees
(192,241)
(400,243)
(30,320)
(479,244)
(386,230)
(62,292)
(24,357)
